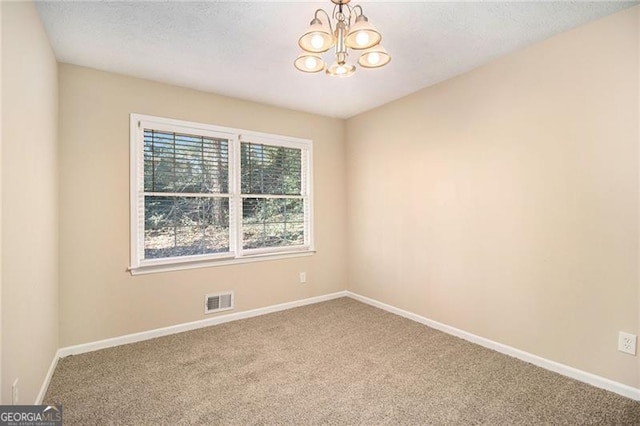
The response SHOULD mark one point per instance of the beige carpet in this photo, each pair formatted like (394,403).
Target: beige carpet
(339,362)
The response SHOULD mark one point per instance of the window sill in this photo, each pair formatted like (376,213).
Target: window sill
(152,269)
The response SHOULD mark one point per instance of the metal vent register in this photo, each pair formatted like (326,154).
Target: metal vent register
(218,302)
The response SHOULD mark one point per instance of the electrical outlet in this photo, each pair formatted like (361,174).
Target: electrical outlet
(14,392)
(303,277)
(627,343)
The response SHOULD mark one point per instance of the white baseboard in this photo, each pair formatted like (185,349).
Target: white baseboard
(47,378)
(565,370)
(179,328)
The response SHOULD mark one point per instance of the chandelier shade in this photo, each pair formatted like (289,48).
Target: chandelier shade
(362,35)
(317,38)
(309,62)
(351,30)
(341,70)
(374,57)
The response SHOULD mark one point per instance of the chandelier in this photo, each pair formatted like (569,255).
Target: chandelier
(352,31)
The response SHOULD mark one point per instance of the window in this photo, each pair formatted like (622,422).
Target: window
(204,195)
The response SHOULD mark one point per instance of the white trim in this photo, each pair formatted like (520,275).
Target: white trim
(47,378)
(266,251)
(133,191)
(179,328)
(235,215)
(187,194)
(196,258)
(556,367)
(164,267)
(308,187)
(272,197)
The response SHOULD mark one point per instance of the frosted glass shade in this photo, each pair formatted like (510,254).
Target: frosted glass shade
(309,62)
(341,70)
(362,35)
(374,57)
(317,38)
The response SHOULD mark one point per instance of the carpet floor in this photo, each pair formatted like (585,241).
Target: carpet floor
(339,362)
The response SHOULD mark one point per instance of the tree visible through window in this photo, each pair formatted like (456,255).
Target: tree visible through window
(272,202)
(191,199)
(186,195)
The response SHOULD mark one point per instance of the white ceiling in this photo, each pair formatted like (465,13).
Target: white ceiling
(246,49)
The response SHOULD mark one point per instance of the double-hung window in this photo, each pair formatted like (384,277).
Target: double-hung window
(203,195)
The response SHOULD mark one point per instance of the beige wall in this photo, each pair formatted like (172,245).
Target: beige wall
(99,299)
(638,121)
(638,118)
(29,202)
(504,202)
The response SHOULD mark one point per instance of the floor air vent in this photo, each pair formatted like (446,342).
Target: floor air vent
(218,302)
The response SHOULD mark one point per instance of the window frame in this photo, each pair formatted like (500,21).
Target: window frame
(236,253)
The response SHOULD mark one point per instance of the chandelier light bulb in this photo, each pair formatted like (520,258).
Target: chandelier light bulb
(310,62)
(317,41)
(373,58)
(362,38)
(362,35)
(341,70)
(317,38)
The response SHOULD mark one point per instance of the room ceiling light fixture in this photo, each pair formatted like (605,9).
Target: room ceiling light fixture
(352,31)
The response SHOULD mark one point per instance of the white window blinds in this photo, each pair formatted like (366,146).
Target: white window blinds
(186,194)
(273,202)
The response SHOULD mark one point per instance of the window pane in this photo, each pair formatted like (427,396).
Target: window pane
(185,226)
(267,169)
(272,222)
(175,162)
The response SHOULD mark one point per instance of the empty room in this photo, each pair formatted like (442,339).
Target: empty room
(320,212)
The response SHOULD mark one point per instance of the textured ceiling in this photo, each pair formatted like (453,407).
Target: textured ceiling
(246,49)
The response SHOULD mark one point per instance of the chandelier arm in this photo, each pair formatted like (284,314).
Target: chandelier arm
(327,15)
(352,12)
